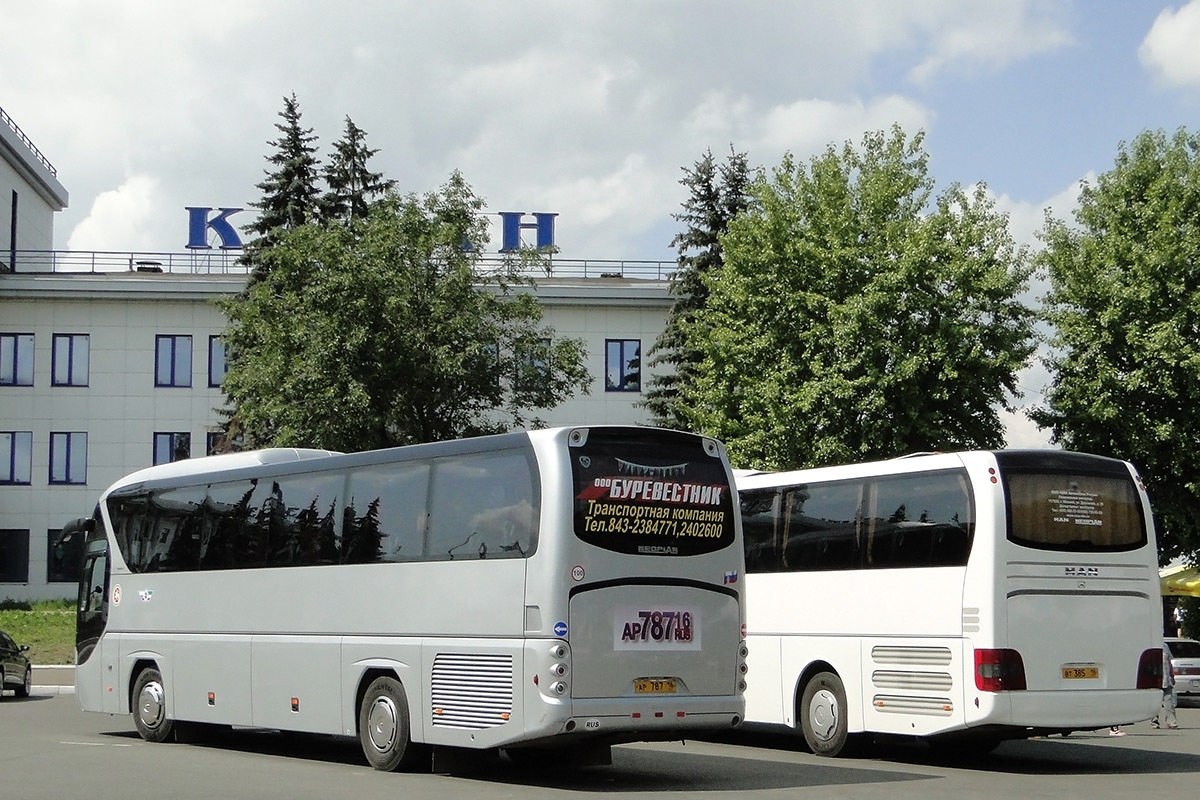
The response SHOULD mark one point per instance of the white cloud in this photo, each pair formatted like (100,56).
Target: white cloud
(123,216)
(1170,49)
(987,35)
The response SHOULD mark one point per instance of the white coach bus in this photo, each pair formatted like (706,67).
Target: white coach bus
(965,597)
(573,588)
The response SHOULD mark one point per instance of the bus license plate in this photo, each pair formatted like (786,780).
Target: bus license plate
(655,686)
(1080,673)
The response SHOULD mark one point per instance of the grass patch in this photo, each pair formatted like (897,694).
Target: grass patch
(47,626)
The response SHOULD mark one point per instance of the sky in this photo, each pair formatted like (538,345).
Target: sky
(589,110)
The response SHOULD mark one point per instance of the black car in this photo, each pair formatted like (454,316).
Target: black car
(15,670)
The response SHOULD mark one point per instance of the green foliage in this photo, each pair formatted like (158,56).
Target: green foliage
(716,195)
(388,333)
(1125,305)
(854,319)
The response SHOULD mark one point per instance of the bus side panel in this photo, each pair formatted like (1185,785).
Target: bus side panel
(391,653)
(204,664)
(799,653)
(297,683)
(765,685)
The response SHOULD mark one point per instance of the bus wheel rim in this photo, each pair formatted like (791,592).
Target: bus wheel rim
(823,714)
(150,705)
(381,724)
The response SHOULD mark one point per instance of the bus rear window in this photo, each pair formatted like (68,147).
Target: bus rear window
(1074,511)
(652,492)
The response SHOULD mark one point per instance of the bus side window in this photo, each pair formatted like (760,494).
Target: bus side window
(761,530)
(822,527)
(482,506)
(385,509)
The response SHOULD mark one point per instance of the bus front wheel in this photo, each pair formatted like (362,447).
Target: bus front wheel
(823,715)
(150,707)
(383,728)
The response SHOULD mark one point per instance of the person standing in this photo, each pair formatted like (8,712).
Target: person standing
(1166,713)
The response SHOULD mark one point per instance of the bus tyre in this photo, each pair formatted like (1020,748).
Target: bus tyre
(823,715)
(383,729)
(150,707)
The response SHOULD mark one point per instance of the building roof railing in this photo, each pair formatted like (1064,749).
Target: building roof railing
(228,262)
(45,162)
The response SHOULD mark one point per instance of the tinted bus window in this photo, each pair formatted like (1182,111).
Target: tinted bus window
(1073,511)
(921,520)
(667,496)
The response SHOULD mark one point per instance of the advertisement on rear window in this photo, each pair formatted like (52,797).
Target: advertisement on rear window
(651,495)
(1074,512)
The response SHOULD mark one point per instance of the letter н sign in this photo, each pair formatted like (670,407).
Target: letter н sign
(199,225)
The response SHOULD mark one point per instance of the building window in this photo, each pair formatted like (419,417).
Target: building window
(69,355)
(16,450)
(622,365)
(14,556)
(16,359)
(216,361)
(533,363)
(173,360)
(170,447)
(64,560)
(216,443)
(68,458)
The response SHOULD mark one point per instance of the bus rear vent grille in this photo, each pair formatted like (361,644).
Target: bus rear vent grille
(472,691)
(923,706)
(912,681)
(927,656)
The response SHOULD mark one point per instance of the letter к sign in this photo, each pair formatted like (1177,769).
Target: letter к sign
(199,224)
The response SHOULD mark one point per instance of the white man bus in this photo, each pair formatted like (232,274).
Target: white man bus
(963,597)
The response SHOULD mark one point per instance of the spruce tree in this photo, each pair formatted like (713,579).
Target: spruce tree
(350,184)
(289,192)
(717,195)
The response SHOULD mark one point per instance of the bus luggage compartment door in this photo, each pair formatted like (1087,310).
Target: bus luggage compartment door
(630,639)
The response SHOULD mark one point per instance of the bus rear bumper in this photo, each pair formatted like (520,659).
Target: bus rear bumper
(639,718)
(1080,710)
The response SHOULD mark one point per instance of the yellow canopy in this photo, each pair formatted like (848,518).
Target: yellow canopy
(1180,580)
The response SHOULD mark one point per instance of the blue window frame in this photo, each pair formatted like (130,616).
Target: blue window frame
(16,450)
(69,356)
(16,359)
(170,447)
(172,360)
(68,458)
(622,365)
(216,361)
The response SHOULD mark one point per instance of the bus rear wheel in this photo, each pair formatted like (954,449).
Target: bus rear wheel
(150,707)
(823,715)
(383,727)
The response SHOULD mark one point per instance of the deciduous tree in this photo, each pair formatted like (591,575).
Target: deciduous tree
(390,333)
(859,316)
(1125,307)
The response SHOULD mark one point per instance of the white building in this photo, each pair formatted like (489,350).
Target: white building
(110,362)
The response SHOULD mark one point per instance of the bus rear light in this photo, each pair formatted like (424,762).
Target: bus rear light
(999,670)
(1150,669)
(558,687)
(559,669)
